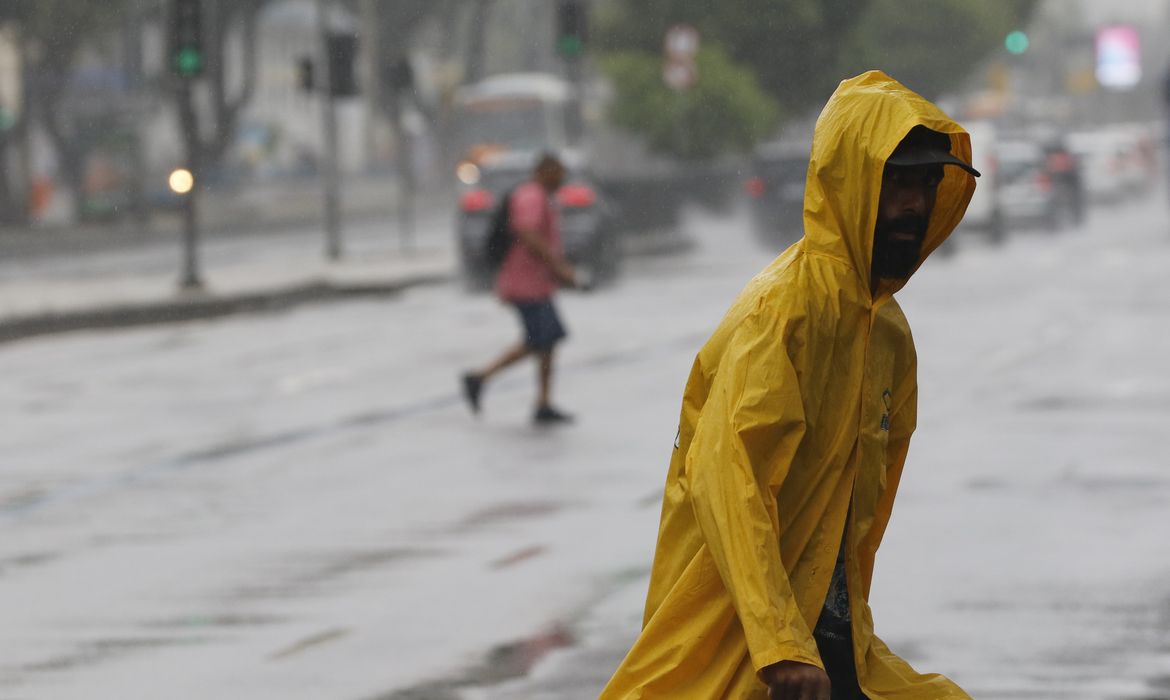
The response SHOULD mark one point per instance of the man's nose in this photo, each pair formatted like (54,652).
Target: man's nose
(914,200)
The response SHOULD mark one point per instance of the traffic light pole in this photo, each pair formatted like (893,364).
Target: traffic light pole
(572,31)
(330,177)
(187,65)
(575,72)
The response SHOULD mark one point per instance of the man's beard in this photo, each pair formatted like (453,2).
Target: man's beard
(895,258)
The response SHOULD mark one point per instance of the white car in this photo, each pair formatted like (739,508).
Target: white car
(984,213)
(1105,164)
(1026,193)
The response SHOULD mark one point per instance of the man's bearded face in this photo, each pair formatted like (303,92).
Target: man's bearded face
(904,208)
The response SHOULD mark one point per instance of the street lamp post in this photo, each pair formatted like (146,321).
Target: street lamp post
(330,175)
(187,65)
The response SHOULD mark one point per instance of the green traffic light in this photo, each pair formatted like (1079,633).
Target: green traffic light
(189,62)
(1016,43)
(570,46)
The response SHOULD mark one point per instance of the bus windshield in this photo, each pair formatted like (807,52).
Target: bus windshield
(514,124)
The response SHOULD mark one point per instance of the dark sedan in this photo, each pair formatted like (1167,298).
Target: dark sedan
(586,227)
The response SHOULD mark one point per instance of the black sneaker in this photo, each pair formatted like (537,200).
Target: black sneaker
(547,415)
(472,388)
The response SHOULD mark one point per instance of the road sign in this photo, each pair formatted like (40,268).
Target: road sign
(680,75)
(681,46)
(682,43)
(1119,57)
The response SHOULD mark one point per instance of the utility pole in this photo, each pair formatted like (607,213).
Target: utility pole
(372,40)
(188,189)
(187,62)
(401,82)
(330,177)
(572,35)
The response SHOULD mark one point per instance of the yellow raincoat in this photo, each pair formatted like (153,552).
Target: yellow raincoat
(796,417)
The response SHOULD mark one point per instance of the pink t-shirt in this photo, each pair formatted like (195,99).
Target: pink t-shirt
(523,276)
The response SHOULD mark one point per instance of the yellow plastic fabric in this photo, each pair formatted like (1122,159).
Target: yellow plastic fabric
(796,417)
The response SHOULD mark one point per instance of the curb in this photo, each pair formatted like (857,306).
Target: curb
(196,308)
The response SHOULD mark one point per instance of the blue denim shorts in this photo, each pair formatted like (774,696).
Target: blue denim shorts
(542,326)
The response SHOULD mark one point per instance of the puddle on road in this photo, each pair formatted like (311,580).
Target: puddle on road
(224,620)
(23,498)
(1095,403)
(1098,485)
(651,500)
(518,557)
(503,663)
(298,575)
(26,561)
(507,512)
(90,653)
(307,643)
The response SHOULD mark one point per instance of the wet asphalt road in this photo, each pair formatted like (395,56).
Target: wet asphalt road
(298,505)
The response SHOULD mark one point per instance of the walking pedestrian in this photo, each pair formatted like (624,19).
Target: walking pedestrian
(795,426)
(527,281)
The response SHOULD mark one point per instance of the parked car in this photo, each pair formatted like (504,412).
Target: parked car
(775,190)
(587,230)
(1026,193)
(984,213)
(1107,165)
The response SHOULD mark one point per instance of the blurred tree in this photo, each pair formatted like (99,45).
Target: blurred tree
(936,51)
(54,33)
(51,34)
(224,22)
(394,24)
(220,18)
(725,110)
(799,50)
(792,46)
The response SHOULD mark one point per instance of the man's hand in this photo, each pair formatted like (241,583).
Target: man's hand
(792,680)
(566,273)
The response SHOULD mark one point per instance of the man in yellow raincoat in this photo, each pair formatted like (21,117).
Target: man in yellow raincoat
(795,424)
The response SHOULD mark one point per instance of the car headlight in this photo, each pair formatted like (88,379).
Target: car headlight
(468,173)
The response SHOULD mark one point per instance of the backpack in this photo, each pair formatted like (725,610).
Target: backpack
(499,239)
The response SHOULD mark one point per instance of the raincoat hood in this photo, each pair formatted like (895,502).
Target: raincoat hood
(861,125)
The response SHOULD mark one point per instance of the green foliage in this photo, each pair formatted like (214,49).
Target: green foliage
(800,49)
(933,53)
(725,110)
(791,46)
(60,26)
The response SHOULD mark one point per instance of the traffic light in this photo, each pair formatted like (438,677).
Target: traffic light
(187,39)
(343,49)
(572,28)
(1016,43)
(306,76)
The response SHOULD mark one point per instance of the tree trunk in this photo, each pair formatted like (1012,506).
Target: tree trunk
(226,111)
(404,162)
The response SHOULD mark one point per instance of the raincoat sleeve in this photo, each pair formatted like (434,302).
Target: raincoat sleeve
(745,439)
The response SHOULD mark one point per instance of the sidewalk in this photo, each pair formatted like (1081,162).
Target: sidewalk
(139,285)
(80,289)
